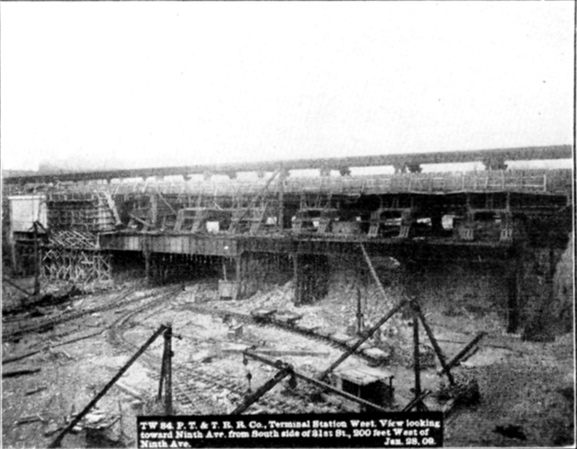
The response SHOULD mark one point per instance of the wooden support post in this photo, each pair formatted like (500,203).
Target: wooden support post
(295,279)
(165,202)
(281,181)
(324,278)
(161,267)
(416,357)
(362,339)
(512,299)
(147,261)
(224,269)
(463,352)
(153,210)
(168,369)
(324,386)
(298,281)
(162,376)
(261,391)
(417,401)
(240,273)
(550,274)
(373,272)
(360,323)
(310,277)
(36,261)
(146,224)
(545,314)
(15,258)
(435,344)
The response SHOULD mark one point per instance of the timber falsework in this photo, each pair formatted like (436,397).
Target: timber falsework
(478,215)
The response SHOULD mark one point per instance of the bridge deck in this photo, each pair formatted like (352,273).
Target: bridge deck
(233,246)
(544,182)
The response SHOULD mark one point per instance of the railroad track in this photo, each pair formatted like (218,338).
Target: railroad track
(190,396)
(126,320)
(287,326)
(43,324)
(196,387)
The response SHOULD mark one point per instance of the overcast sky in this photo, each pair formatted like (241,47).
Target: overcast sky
(153,83)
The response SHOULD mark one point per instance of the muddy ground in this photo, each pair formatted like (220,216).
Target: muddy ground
(527,389)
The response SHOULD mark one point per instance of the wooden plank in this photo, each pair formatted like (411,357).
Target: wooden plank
(20,372)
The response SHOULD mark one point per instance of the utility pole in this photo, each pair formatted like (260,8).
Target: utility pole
(360,323)
(36,260)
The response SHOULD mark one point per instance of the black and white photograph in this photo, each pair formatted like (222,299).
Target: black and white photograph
(295,224)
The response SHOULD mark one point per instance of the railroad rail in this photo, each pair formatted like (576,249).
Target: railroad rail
(196,385)
(41,324)
(332,338)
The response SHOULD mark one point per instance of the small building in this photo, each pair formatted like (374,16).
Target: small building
(23,211)
(371,384)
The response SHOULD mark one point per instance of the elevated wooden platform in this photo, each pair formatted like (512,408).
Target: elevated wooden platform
(543,182)
(236,246)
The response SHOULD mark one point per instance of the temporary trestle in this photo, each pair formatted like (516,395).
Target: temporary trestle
(73,239)
(76,265)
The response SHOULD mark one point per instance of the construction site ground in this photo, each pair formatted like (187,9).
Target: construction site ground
(527,389)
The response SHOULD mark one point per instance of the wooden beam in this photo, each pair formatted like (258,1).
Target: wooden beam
(20,372)
(279,365)
(260,392)
(436,346)
(365,336)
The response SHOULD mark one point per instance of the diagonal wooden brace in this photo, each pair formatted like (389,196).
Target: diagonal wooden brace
(365,336)
(436,347)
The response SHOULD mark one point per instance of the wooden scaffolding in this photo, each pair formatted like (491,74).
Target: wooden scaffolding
(75,256)
(76,265)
